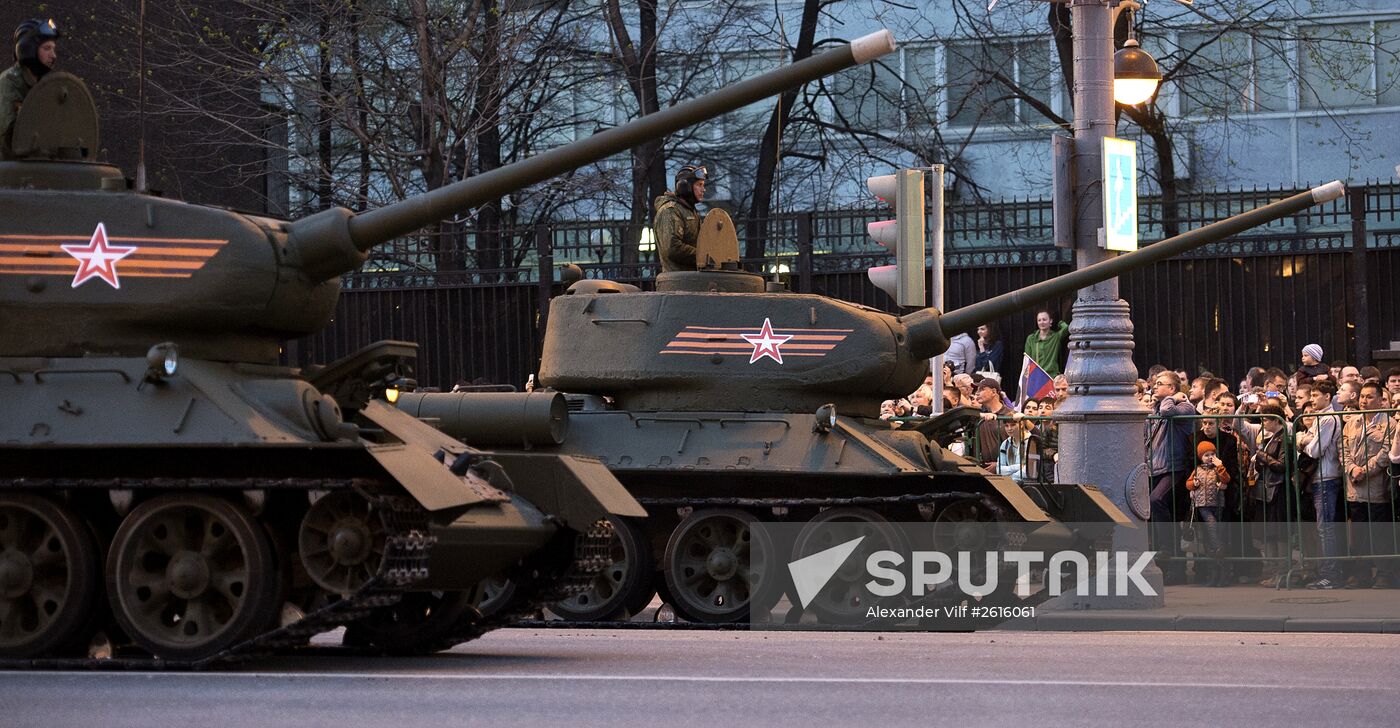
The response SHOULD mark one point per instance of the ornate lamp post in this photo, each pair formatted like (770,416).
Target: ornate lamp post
(1101,430)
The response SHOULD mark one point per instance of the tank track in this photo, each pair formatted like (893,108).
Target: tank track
(1015,539)
(538,585)
(407,544)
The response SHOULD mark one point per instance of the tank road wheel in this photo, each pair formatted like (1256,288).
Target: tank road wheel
(418,624)
(708,565)
(844,599)
(622,589)
(341,542)
(191,575)
(962,525)
(50,577)
(491,594)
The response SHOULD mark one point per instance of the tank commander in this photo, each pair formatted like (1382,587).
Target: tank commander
(677,224)
(36,52)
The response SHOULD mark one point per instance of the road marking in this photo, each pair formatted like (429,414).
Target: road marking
(765,679)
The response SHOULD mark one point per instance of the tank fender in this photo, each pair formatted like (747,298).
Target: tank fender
(576,490)
(1073,503)
(1013,494)
(411,461)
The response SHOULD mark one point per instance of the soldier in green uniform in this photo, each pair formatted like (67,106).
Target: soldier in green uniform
(36,52)
(677,225)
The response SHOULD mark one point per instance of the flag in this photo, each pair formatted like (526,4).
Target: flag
(1034,383)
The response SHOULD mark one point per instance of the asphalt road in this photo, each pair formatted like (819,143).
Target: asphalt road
(628,678)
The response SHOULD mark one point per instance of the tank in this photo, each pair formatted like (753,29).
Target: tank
(718,402)
(168,491)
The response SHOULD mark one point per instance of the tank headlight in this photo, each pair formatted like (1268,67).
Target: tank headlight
(399,384)
(162,360)
(826,418)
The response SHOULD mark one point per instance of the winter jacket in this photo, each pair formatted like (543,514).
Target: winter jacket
(15,84)
(989,360)
(1269,465)
(1169,438)
(677,228)
(962,354)
(1365,444)
(1206,484)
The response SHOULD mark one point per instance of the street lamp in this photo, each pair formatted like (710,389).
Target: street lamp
(1102,415)
(1135,74)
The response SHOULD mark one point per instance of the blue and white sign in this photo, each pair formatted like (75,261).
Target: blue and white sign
(1120,194)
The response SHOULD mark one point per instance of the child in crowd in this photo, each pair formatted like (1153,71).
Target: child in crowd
(1207,484)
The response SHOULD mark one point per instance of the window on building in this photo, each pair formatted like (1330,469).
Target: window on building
(867,96)
(1233,73)
(599,101)
(739,67)
(681,78)
(923,81)
(1388,63)
(985,81)
(1335,65)
(552,119)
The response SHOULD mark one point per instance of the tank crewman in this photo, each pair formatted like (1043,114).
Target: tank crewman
(36,52)
(677,224)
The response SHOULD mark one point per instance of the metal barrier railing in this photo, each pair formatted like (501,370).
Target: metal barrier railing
(1334,511)
(1353,500)
(1019,459)
(1244,526)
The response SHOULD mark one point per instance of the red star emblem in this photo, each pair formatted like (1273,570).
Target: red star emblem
(766,343)
(97,259)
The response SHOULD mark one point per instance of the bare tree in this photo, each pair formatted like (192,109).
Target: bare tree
(364,102)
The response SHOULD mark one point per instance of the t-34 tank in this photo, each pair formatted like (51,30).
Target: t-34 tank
(717,402)
(158,465)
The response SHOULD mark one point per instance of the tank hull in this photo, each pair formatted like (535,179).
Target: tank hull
(705,472)
(244,491)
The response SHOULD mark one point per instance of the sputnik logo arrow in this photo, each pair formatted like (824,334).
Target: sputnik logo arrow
(811,573)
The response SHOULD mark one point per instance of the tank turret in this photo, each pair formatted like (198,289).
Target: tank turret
(717,340)
(89,266)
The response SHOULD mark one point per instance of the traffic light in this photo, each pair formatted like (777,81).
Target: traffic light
(904,236)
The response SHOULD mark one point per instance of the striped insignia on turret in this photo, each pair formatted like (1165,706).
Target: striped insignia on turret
(730,341)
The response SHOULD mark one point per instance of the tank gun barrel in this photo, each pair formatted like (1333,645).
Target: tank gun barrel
(335,241)
(929,331)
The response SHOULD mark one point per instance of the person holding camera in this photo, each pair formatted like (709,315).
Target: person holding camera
(1268,468)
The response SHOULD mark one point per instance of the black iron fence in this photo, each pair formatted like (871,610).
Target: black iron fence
(477,300)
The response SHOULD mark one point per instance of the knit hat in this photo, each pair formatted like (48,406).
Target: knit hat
(1314,351)
(1205,447)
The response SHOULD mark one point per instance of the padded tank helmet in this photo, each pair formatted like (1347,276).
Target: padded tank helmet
(686,178)
(29,35)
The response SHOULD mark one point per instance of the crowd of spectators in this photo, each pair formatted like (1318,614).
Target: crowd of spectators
(1319,445)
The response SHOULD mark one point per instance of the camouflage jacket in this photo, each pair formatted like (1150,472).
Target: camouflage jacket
(1365,445)
(15,84)
(677,227)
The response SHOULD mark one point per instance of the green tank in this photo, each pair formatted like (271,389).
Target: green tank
(718,401)
(165,482)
